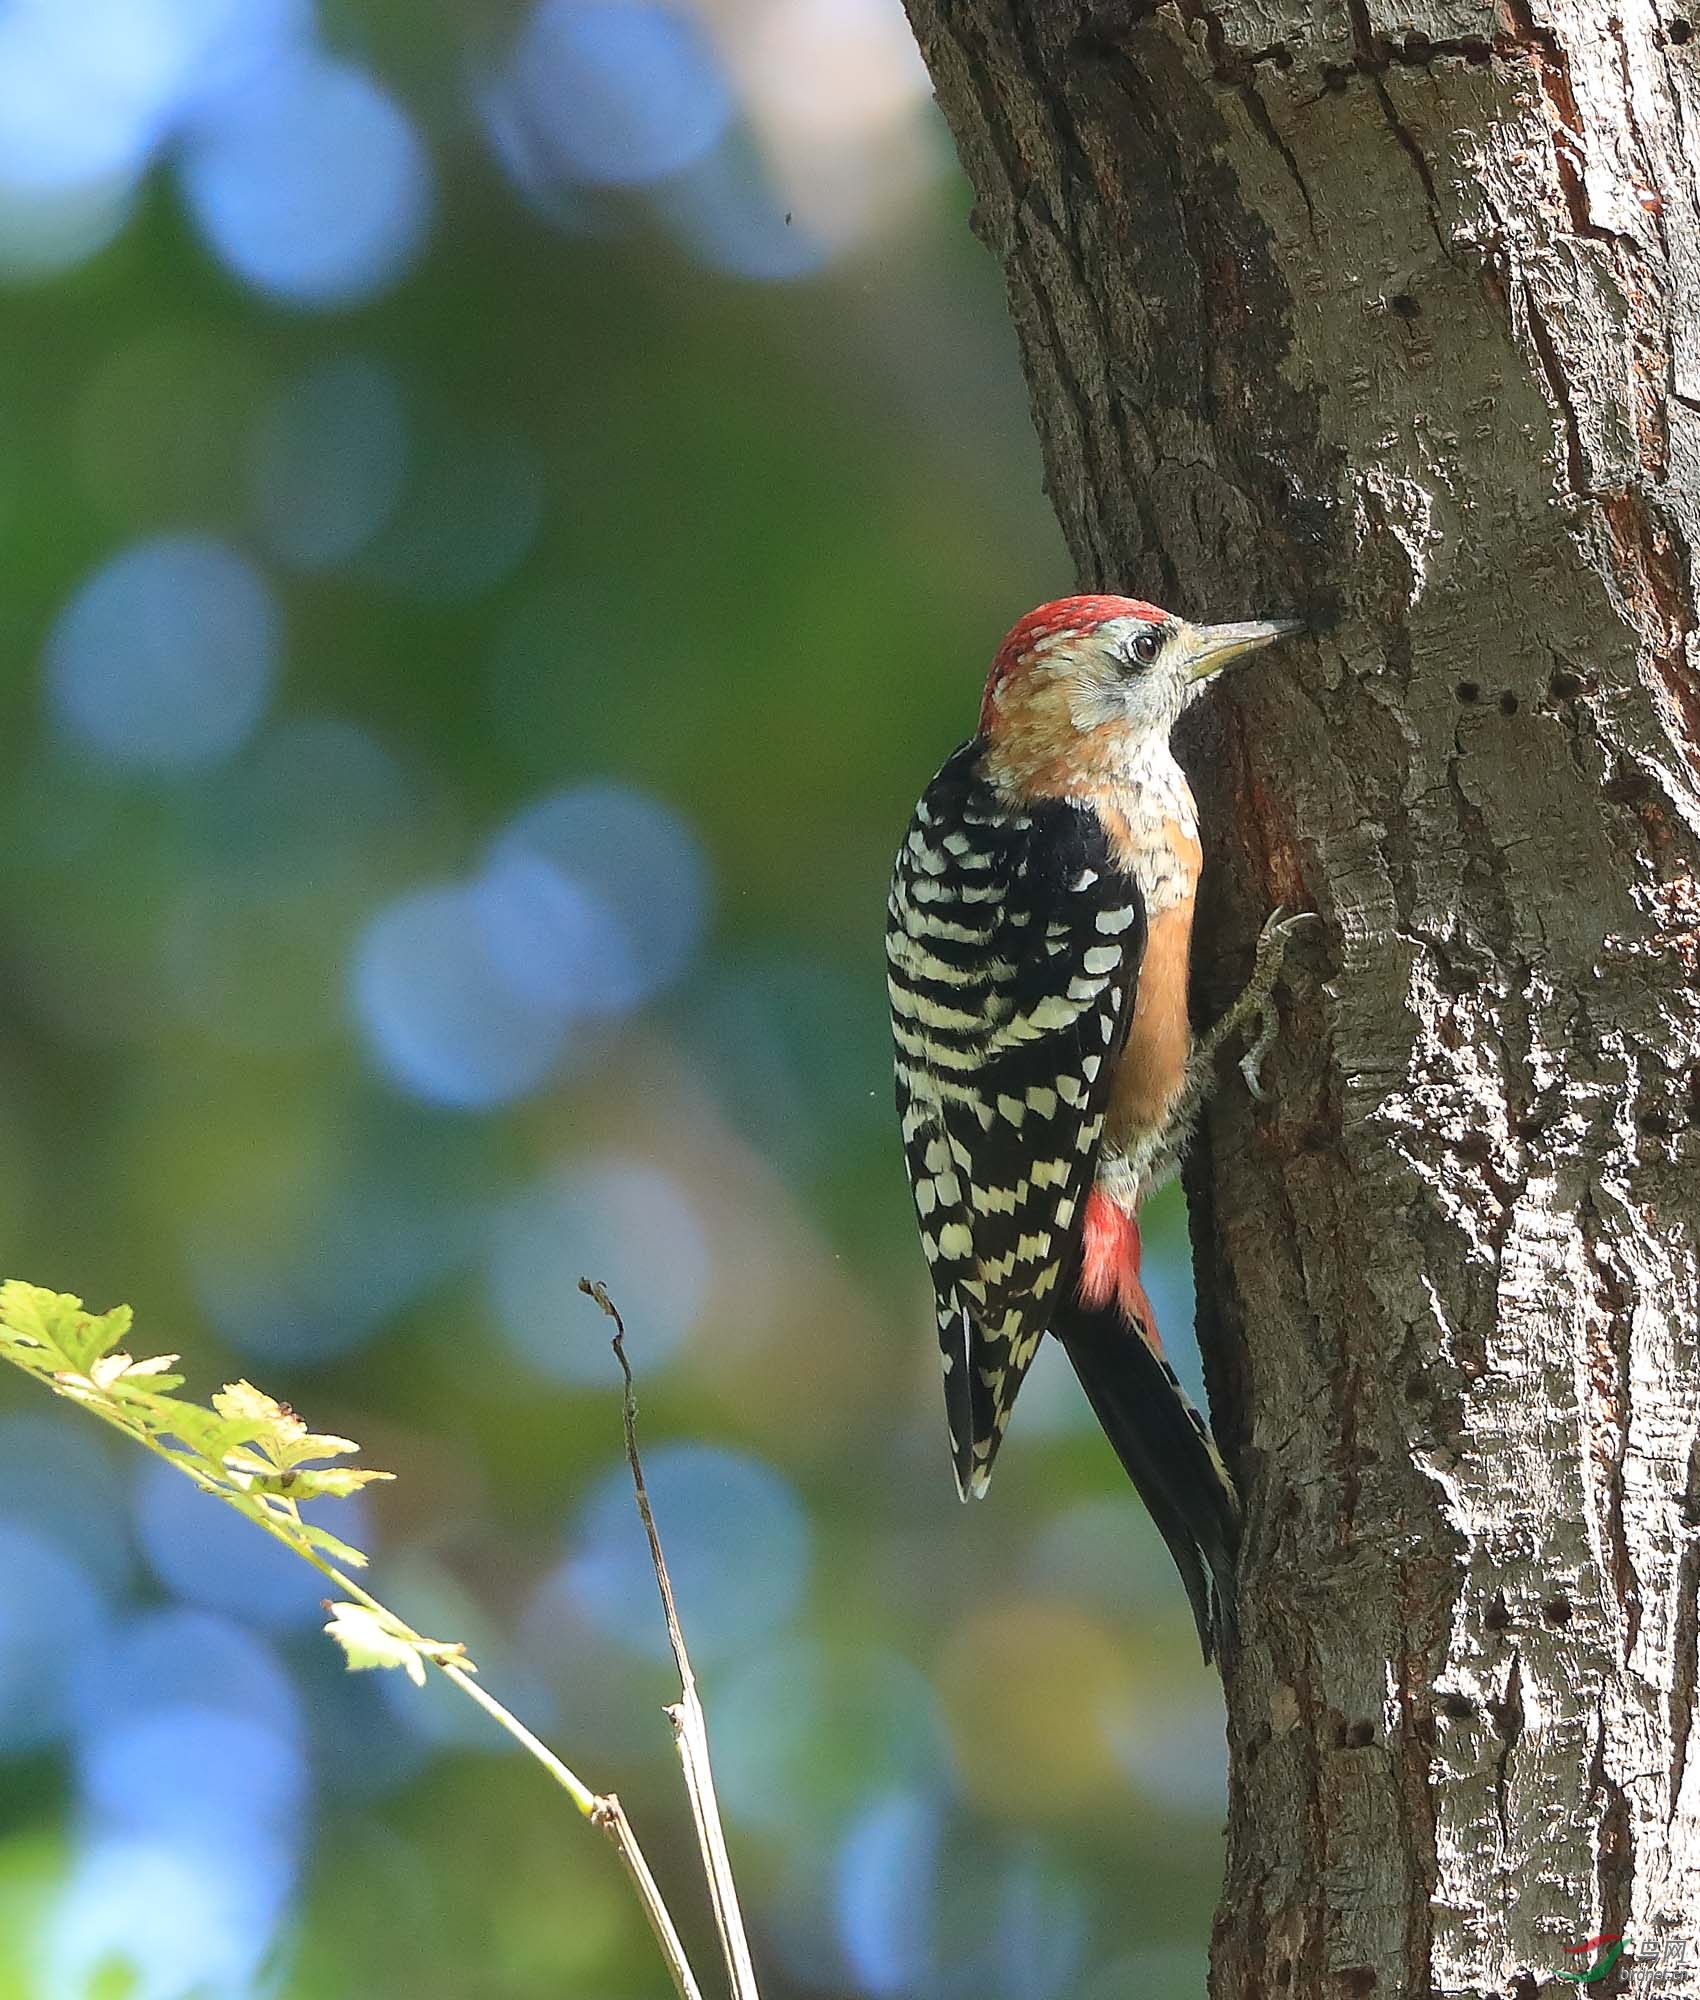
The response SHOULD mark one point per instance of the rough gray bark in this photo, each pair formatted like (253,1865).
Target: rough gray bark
(1391,313)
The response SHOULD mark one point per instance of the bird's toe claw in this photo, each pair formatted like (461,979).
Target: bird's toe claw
(1251,1063)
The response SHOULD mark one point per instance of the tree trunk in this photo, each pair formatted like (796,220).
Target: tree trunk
(1391,315)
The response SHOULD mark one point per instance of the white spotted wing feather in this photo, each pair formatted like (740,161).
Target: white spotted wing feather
(1012,946)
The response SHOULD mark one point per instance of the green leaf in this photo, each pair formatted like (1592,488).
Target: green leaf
(318,1444)
(26,1310)
(252,1417)
(243,1402)
(369,1641)
(118,1372)
(309,1482)
(335,1481)
(190,1422)
(146,1392)
(248,1465)
(221,1438)
(327,1543)
(249,1449)
(57,1323)
(257,1418)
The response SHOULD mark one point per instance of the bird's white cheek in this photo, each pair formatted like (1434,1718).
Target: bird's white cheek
(1134,707)
(1162,696)
(1094,703)
(1143,706)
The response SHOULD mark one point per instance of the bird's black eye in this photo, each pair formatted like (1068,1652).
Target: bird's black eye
(1143,648)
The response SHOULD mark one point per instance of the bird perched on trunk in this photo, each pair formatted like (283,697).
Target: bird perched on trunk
(1037,943)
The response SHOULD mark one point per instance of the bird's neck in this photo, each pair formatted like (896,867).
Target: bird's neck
(1134,785)
(1147,784)
(1153,834)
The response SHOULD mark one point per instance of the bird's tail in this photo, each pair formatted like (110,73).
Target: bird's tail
(1160,1438)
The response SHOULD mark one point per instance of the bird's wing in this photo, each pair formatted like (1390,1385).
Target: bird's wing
(1013,947)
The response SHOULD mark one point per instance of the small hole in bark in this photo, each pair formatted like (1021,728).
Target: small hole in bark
(1359,1735)
(1556,1611)
(1497,1618)
(1416,45)
(1358,1981)
(1523,1987)
(1416,1387)
(1457,1707)
(1680,32)
(1403,306)
(1475,1146)
(1284,1973)
(1282,58)
(1655,1124)
(1468,691)
(1564,687)
(1508,703)
(1476,51)
(1334,77)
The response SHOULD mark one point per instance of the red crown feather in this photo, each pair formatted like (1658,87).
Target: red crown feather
(1066,617)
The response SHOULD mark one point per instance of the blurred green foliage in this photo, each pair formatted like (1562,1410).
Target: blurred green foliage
(779,529)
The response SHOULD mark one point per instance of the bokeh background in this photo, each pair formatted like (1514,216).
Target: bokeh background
(502,506)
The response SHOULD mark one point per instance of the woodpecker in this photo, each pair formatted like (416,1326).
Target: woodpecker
(1038,939)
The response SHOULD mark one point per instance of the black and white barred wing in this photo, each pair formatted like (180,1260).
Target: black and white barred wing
(1013,946)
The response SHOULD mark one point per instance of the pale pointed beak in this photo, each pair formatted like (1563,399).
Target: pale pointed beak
(1210,648)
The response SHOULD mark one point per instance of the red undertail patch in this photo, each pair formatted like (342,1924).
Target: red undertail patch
(1109,1265)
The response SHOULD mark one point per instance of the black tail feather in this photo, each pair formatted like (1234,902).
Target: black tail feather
(1157,1436)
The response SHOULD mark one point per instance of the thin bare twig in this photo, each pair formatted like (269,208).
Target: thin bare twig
(690,1725)
(602,1809)
(608,1816)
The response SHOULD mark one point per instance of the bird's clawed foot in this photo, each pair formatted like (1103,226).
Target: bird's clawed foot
(1258,997)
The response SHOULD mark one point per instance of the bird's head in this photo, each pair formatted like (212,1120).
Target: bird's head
(1089,686)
